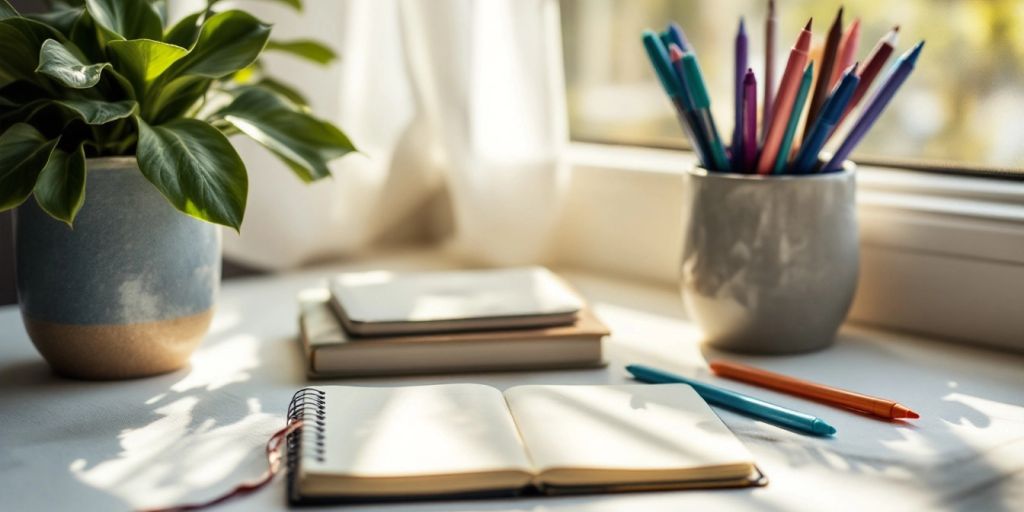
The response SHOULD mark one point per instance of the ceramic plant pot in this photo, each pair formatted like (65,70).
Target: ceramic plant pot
(770,263)
(129,291)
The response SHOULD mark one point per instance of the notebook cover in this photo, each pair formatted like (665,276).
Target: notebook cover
(383,303)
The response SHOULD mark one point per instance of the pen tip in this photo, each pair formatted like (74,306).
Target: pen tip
(900,412)
(808,26)
(896,28)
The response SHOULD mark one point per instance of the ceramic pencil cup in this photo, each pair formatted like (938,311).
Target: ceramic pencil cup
(769,262)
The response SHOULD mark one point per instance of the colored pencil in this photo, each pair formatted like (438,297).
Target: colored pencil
(807,158)
(743,404)
(771,25)
(794,119)
(699,139)
(784,101)
(749,120)
(823,85)
(738,77)
(683,104)
(900,71)
(847,51)
(702,106)
(678,37)
(872,66)
(819,392)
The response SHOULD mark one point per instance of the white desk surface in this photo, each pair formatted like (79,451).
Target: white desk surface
(189,435)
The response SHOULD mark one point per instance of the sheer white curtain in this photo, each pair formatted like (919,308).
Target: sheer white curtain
(465,95)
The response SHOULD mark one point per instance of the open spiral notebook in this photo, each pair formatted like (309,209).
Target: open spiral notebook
(471,440)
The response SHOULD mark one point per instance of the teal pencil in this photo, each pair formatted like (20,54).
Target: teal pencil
(702,105)
(794,120)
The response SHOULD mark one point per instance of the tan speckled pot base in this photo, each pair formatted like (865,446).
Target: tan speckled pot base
(119,351)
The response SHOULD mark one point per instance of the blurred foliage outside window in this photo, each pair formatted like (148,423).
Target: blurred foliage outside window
(962,106)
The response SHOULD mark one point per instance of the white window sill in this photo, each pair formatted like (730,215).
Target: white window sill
(941,255)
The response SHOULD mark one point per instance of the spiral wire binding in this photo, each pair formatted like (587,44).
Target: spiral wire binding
(308,405)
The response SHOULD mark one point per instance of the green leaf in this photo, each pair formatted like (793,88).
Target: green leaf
(130,19)
(285,90)
(56,61)
(20,41)
(305,48)
(185,32)
(23,153)
(61,19)
(195,168)
(303,142)
(176,98)
(294,4)
(96,112)
(7,10)
(228,41)
(143,60)
(60,188)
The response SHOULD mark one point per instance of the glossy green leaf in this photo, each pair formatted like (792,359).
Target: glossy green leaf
(307,49)
(283,89)
(228,41)
(305,143)
(20,41)
(23,153)
(7,10)
(176,98)
(143,60)
(294,4)
(61,18)
(56,61)
(196,169)
(130,19)
(184,32)
(60,188)
(96,112)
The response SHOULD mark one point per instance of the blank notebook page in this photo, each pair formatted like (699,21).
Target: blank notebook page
(416,431)
(638,429)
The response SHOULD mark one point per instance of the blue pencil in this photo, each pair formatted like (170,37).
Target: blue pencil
(740,403)
(831,112)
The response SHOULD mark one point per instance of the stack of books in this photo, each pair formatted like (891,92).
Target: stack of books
(390,323)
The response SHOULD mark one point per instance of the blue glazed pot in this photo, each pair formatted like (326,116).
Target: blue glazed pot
(129,291)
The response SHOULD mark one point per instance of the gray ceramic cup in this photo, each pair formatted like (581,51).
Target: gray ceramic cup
(769,263)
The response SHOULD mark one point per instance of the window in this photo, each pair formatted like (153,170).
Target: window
(962,109)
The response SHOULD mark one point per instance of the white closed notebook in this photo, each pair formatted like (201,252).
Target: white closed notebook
(453,440)
(385,303)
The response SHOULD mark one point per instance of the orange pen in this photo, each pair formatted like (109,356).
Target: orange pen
(812,390)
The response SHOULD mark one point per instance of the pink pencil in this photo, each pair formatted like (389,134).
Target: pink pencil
(771,25)
(847,52)
(784,101)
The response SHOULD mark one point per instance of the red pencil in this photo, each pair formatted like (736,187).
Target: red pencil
(784,101)
(872,66)
(847,52)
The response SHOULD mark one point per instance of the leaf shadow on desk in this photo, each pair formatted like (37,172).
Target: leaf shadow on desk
(117,445)
(947,391)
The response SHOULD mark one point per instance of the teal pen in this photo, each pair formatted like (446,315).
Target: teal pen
(702,105)
(742,404)
(658,55)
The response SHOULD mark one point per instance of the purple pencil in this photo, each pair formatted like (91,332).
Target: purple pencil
(741,66)
(749,158)
(900,71)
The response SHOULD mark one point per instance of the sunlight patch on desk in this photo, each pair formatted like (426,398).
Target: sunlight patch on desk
(216,366)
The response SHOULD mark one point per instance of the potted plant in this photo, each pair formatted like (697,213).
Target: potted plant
(104,96)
